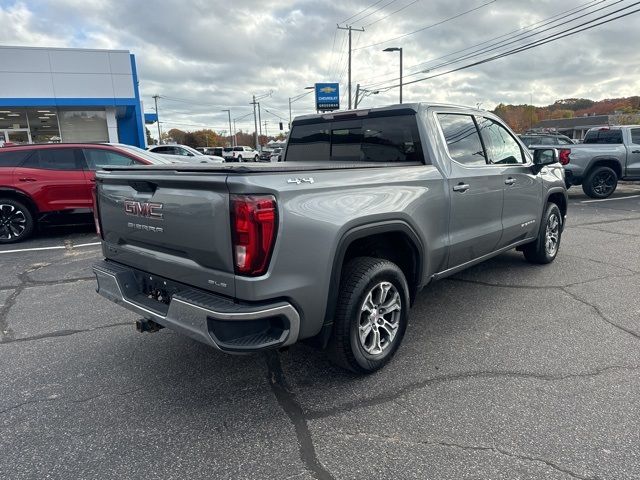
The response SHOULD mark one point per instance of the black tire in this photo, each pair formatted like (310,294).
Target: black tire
(256,158)
(539,251)
(600,183)
(16,221)
(239,158)
(361,276)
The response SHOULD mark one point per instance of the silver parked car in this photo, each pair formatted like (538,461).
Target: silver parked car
(190,155)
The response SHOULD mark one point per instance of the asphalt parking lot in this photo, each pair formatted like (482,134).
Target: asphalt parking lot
(507,371)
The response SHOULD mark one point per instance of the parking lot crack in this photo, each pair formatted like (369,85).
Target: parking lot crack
(287,401)
(416,386)
(600,313)
(62,333)
(476,448)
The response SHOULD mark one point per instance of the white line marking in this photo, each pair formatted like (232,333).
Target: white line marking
(610,199)
(59,247)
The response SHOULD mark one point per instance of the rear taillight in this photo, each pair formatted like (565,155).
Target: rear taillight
(253,225)
(96,214)
(565,156)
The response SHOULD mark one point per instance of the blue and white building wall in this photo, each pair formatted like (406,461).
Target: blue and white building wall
(69,95)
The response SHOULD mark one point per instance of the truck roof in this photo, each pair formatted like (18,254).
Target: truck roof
(389,110)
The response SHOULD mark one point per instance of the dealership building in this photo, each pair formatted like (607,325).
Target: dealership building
(69,95)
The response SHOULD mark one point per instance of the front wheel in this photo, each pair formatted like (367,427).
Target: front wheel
(600,183)
(16,221)
(239,158)
(256,158)
(371,315)
(545,248)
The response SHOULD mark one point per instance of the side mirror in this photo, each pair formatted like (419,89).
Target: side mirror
(544,156)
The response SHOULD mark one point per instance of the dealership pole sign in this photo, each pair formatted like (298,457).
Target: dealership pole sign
(327,97)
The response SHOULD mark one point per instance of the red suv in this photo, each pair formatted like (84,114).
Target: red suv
(53,183)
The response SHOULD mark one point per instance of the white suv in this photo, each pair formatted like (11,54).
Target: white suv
(240,154)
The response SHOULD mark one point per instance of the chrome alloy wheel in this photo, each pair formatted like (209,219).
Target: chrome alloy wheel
(379,318)
(13,222)
(552,236)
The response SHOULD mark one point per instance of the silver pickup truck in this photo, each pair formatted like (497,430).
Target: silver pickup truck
(606,155)
(333,244)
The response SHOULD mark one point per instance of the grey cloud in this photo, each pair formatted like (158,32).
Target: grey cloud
(219,53)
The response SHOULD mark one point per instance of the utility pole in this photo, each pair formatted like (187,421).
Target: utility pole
(231,135)
(259,122)
(155,98)
(255,122)
(355,105)
(350,28)
(266,133)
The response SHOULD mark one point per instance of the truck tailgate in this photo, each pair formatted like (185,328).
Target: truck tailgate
(171,224)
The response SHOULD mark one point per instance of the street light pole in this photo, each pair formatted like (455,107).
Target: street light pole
(155,98)
(231,132)
(396,49)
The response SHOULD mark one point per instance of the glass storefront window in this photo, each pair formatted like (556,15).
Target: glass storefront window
(43,125)
(83,125)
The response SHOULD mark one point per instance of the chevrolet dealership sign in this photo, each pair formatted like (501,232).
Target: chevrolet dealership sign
(327,96)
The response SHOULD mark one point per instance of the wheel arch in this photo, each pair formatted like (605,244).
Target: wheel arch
(365,236)
(611,162)
(21,197)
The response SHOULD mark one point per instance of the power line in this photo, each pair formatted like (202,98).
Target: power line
(502,43)
(428,26)
(195,102)
(529,46)
(375,11)
(392,13)
(361,11)
(421,65)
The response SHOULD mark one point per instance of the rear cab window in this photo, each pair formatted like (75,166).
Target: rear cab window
(383,139)
(604,136)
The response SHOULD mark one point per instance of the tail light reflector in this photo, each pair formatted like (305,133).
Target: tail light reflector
(253,225)
(565,156)
(96,213)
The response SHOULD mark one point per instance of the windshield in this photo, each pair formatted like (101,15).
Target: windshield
(149,156)
(192,150)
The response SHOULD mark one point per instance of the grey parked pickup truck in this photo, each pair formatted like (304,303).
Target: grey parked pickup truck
(332,244)
(606,155)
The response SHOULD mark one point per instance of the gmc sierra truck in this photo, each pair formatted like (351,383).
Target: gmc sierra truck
(333,244)
(606,155)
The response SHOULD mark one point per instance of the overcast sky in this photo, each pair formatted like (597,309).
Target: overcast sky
(216,54)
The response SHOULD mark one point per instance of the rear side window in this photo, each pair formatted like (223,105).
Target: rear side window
(54,159)
(238,149)
(604,136)
(463,140)
(635,137)
(382,139)
(9,158)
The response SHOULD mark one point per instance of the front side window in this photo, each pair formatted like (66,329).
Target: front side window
(462,138)
(502,148)
(98,157)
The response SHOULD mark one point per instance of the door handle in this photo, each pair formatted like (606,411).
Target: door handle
(635,151)
(461,187)
(510,181)
(27,179)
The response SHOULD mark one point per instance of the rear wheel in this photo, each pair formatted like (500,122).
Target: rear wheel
(545,248)
(371,315)
(600,183)
(16,221)
(239,158)
(256,158)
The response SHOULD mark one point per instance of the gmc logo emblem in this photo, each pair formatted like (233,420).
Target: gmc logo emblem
(143,209)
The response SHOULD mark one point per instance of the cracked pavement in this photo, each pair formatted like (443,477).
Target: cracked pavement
(507,371)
